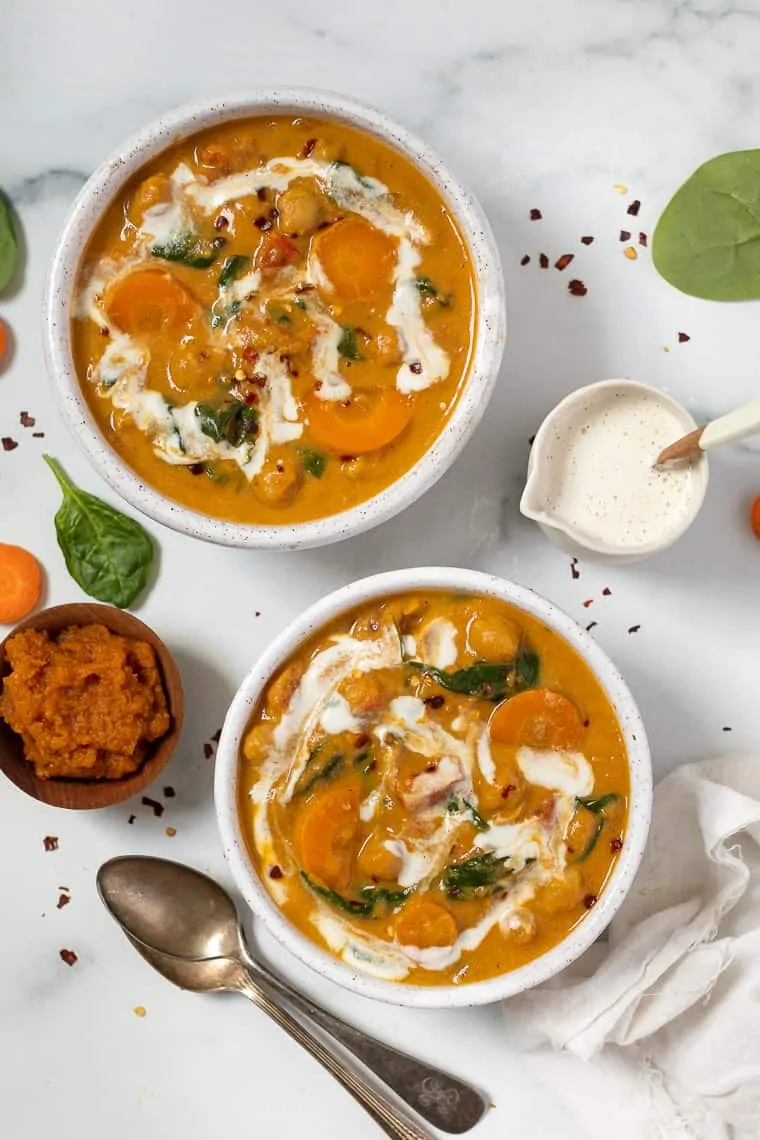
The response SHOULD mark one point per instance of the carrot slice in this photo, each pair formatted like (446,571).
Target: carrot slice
(356,257)
(537,718)
(424,924)
(3,340)
(370,421)
(149,301)
(326,835)
(20,582)
(754,515)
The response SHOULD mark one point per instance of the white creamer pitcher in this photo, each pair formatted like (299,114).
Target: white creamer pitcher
(591,485)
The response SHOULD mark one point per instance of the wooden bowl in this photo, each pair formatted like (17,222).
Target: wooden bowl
(80,794)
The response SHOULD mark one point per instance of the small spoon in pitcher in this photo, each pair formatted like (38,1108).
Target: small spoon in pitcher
(172,912)
(739,424)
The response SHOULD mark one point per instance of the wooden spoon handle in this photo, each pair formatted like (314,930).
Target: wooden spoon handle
(688,447)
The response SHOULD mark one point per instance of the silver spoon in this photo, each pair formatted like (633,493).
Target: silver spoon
(179,913)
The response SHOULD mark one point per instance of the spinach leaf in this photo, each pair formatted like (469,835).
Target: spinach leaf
(234,423)
(8,244)
(315,772)
(456,805)
(278,315)
(429,291)
(225,313)
(365,906)
(232,267)
(338,164)
(596,806)
(348,345)
(188,249)
(314,462)
(106,553)
(707,241)
(364,761)
(300,303)
(478,877)
(486,680)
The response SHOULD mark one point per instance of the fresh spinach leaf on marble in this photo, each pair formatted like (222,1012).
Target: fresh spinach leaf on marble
(108,554)
(8,244)
(707,240)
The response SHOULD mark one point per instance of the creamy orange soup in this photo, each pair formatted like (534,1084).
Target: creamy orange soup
(434,788)
(273,320)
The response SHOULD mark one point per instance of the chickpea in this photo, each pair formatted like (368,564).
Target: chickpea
(494,638)
(377,862)
(355,468)
(154,191)
(520,926)
(282,689)
(563,893)
(300,208)
(215,157)
(257,743)
(280,480)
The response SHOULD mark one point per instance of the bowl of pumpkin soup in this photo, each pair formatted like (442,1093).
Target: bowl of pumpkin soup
(434,788)
(274,320)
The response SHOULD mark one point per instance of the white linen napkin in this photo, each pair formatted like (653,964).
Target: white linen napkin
(655,1035)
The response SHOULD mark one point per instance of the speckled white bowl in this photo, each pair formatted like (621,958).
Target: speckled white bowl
(226,788)
(102,188)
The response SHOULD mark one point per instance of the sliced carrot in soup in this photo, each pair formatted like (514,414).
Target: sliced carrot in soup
(538,718)
(356,257)
(371,420)
(425,924)
(149,301)
(327,833)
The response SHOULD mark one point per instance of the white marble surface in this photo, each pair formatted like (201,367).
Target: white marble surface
(545,105)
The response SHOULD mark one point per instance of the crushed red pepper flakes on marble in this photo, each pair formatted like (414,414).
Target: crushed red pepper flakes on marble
(634,208)
(577,288)
(158,809)
(50,842)
(727,728)
(616,844)
(8,443)
(683,337)
(132,819)
(169,792)
(38,435)
(208,751)
(607,592)
(588,602)
(563,262)
(63,900)
(543,261)
(257,613)
(69,957)
(171,832)
(586,239)
(525,260)
(634,628)
(217,735)
(535,215)
(26,420)
(643,239)
(591,625)
(589,901)
(574,569)
(625,235)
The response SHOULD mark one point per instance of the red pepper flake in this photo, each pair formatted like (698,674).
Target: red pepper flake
(415,367)
(506,792)
(589,901)
(132,819)
(634,629)
(587,240)
(574,569)
(625,235)
(607,592)
(591,625)
(275,872)
(216,737)
(68,956)
(683,337)
(308,148)
(257,613)
(50,842)
(26,420)
(436,702)
(586,723)
(616,844)
(525,260)
(158,809)
(588,602)
(577,288)
(169,792)
(208,751)
(8,443)
(634,208)
(38,435)
(104,331)
(727,728)
(63,900)
(543,261)
(361,741)
(563,262)
(642,238)
(535,215)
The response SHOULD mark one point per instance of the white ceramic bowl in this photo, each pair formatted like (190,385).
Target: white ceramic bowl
(255,893)
(99,192)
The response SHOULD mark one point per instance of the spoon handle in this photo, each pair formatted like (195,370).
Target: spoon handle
(444,1101)
(393,1121)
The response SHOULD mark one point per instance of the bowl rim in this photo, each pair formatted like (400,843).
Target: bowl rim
(226,781)
(477,385)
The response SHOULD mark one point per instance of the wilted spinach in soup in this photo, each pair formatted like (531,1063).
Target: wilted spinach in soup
(273,320)
(434,788)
